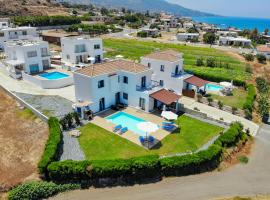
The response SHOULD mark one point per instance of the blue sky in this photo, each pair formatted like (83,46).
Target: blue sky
(243,8)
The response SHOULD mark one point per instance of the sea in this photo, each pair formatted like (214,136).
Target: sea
(236,22)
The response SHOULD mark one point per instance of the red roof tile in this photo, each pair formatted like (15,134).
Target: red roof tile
(194,80)
(165,96)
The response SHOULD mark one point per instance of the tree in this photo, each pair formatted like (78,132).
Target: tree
(76,118)
(261,58)
(266,31)
(104,11)
(263,105)
(234,109)
(209,38)
(262,85)
(249,57)
(210,62)
(220,105)
(192,30)
(199,62)
(210,100)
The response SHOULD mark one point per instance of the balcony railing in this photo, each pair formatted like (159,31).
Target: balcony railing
(179,74)
(148,87)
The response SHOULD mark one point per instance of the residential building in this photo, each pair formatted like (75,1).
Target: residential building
(28,56)
(151,32)
(227,33)
(81,50)
(188,25)
(188,36)
(167,69)
(265,50)
(4,23)
(19,33)
(234,41)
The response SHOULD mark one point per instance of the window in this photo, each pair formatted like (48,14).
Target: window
(162,68)
(125,80)
(2,34)
(68,56)
(118,78)
(101,84)
(24,33)
(96,46)
(80,48)
(44,52)
(149,65)
(161,82)
(31,54)
(45,64)
(125,96)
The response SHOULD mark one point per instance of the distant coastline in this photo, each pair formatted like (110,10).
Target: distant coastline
(237,22)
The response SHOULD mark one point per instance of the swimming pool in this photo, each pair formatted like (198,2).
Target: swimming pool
(212,87)
(54,75)
(127,120)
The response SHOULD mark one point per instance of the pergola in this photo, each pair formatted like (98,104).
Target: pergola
(197,82)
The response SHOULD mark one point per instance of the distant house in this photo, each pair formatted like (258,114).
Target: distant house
(4,23)
(265,50)
(187,36)
(81,50)
(27,56)
(55,36)
(18,33)
(227,33)
(234,41)
(152,32)
(188,25)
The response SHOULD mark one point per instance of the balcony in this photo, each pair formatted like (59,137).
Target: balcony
(179,74)
(149,87)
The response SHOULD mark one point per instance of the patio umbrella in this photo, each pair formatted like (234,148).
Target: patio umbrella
(169,115)
(147,127)
(119,56)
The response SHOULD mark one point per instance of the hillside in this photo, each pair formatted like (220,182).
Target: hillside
(30,7)
(143,5)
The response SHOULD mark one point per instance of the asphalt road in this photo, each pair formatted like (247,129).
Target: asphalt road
(250,179)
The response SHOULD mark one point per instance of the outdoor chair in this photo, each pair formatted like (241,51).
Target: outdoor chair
(142,139)
(117,128)
(123,130)
(151,139)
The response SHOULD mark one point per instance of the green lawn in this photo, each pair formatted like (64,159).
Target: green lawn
(236,100)
(134,49)
(98,143)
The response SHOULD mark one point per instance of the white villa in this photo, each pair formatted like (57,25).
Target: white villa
(80,51)
(265,50)
(28,56)
(19,33)
(227,33)
(4,23)
(155,84)
(187,36)
(188,25)
(234,41)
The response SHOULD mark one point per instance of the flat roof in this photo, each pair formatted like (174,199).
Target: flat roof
(58,34)
(18,28)
(165,96)
(112,67)
(167,55)
(263,49)
(194,80)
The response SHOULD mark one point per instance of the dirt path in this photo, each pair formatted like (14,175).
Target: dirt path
(22,140)
(250,179)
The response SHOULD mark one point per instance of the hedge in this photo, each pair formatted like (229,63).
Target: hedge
(251,95)
(50,153)
(134,168)
(38,190)
(192,163)
(45,20)
(231,136)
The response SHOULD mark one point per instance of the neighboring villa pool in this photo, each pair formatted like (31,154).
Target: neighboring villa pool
(213,87)
(54,75)
(127,120)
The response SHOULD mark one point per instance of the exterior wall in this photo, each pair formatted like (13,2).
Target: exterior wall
(234,41)
(86,89)
(170,82)
(10,34)
(187,36)
(68,48)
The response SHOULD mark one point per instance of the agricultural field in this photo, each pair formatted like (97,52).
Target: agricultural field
(22,140)
(98,143)
(229,67)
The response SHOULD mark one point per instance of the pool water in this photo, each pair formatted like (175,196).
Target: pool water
(212,87)
(54,75)
(127,120)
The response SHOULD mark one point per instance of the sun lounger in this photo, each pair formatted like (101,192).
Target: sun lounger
(168,127)
(117,128)
(151,139)
(123,130)
(142,139)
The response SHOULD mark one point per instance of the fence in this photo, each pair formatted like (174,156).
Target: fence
(27,105)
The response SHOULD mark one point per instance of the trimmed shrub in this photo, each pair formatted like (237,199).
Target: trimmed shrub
(261,58)
(38,190)
(193,163)
(69,170)
(231,136)
(50,153)
(251,95)
(249,57)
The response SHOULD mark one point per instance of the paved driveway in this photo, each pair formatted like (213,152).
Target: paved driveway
(250,179)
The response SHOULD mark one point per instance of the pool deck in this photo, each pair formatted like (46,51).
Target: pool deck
(129,135)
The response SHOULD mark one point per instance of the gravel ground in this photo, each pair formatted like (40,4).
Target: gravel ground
(71,148)
(49,105)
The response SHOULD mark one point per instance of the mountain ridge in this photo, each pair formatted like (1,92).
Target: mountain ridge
(144,5)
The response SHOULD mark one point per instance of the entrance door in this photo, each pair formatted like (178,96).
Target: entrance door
(102,104)
(117,98)
(176,70)
(142,103)
(143,81)
(97,59)
(34,69)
